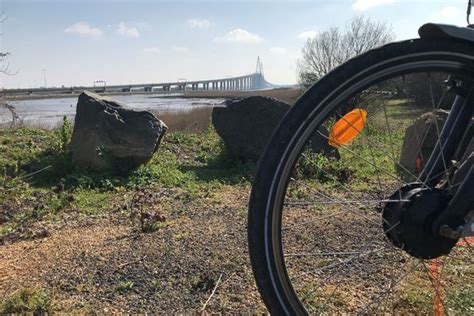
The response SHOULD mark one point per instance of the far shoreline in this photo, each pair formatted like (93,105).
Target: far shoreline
(289,95)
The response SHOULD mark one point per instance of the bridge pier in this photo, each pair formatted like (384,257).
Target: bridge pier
(253,81)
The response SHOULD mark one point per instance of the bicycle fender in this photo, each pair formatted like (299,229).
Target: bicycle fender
(442,31)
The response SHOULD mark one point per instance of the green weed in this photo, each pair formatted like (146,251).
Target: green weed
(37,301)
(124,286)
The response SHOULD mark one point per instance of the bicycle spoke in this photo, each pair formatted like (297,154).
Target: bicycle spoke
(332,233)
(391,287)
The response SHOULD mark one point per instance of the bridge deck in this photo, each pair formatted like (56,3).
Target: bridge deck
(253,81)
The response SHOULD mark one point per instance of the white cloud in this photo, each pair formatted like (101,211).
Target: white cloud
(83,29)
(448,15)
(308,34)
(202,24)
(180,49)
(127,31)
(363,5)
(278,50)
(450,12)
(152,50)
(240,36)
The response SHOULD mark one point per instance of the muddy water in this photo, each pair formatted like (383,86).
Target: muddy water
(191,115)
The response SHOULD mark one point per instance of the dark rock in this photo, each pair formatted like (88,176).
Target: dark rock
(246,126)
(419,141)
(108,136)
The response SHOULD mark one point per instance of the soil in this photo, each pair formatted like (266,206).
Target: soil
(106,264)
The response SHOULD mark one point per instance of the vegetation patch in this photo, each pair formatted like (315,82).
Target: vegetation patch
(37,301)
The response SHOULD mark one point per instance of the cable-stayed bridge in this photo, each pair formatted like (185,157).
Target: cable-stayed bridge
(254,81)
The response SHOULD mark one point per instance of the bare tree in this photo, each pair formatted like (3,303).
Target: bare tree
(5,70)
(333,47)
(4,65)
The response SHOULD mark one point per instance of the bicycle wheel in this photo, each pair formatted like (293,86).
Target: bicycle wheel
(320,225)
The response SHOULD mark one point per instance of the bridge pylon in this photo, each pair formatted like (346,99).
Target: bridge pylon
(259,67)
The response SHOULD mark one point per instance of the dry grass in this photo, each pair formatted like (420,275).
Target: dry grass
(288,95)
(194,121)
(105,265)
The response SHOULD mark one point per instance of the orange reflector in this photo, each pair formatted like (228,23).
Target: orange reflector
(347,127)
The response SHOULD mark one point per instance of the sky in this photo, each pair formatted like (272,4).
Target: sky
(66,42)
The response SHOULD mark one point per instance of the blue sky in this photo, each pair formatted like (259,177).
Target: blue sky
(78,42)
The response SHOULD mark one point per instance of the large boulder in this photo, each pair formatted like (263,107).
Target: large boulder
(108,136)
(421,138)
(419,141)
(246,126)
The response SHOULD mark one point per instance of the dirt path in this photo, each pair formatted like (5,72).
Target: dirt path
(107,266)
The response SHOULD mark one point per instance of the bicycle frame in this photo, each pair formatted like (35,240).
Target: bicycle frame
(451,135)
(461,205)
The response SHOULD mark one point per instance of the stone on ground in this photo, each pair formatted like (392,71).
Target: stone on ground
(419,141)
(108,136)
(246,126)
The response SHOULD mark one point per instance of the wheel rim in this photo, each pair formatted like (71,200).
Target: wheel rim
(279,193)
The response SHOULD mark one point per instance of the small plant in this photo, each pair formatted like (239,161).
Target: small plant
(202,283)
(64,134)
(155,284)
(322,168)
(462,300)
(149,220)
(124,286)
(36,301)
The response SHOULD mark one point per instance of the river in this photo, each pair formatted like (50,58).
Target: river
(48,113)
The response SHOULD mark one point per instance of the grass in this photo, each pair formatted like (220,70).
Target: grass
(462,300)
(186,210)
(39,183)
(124,286)
(36,301)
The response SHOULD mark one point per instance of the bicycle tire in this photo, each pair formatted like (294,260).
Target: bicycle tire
(264,218)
